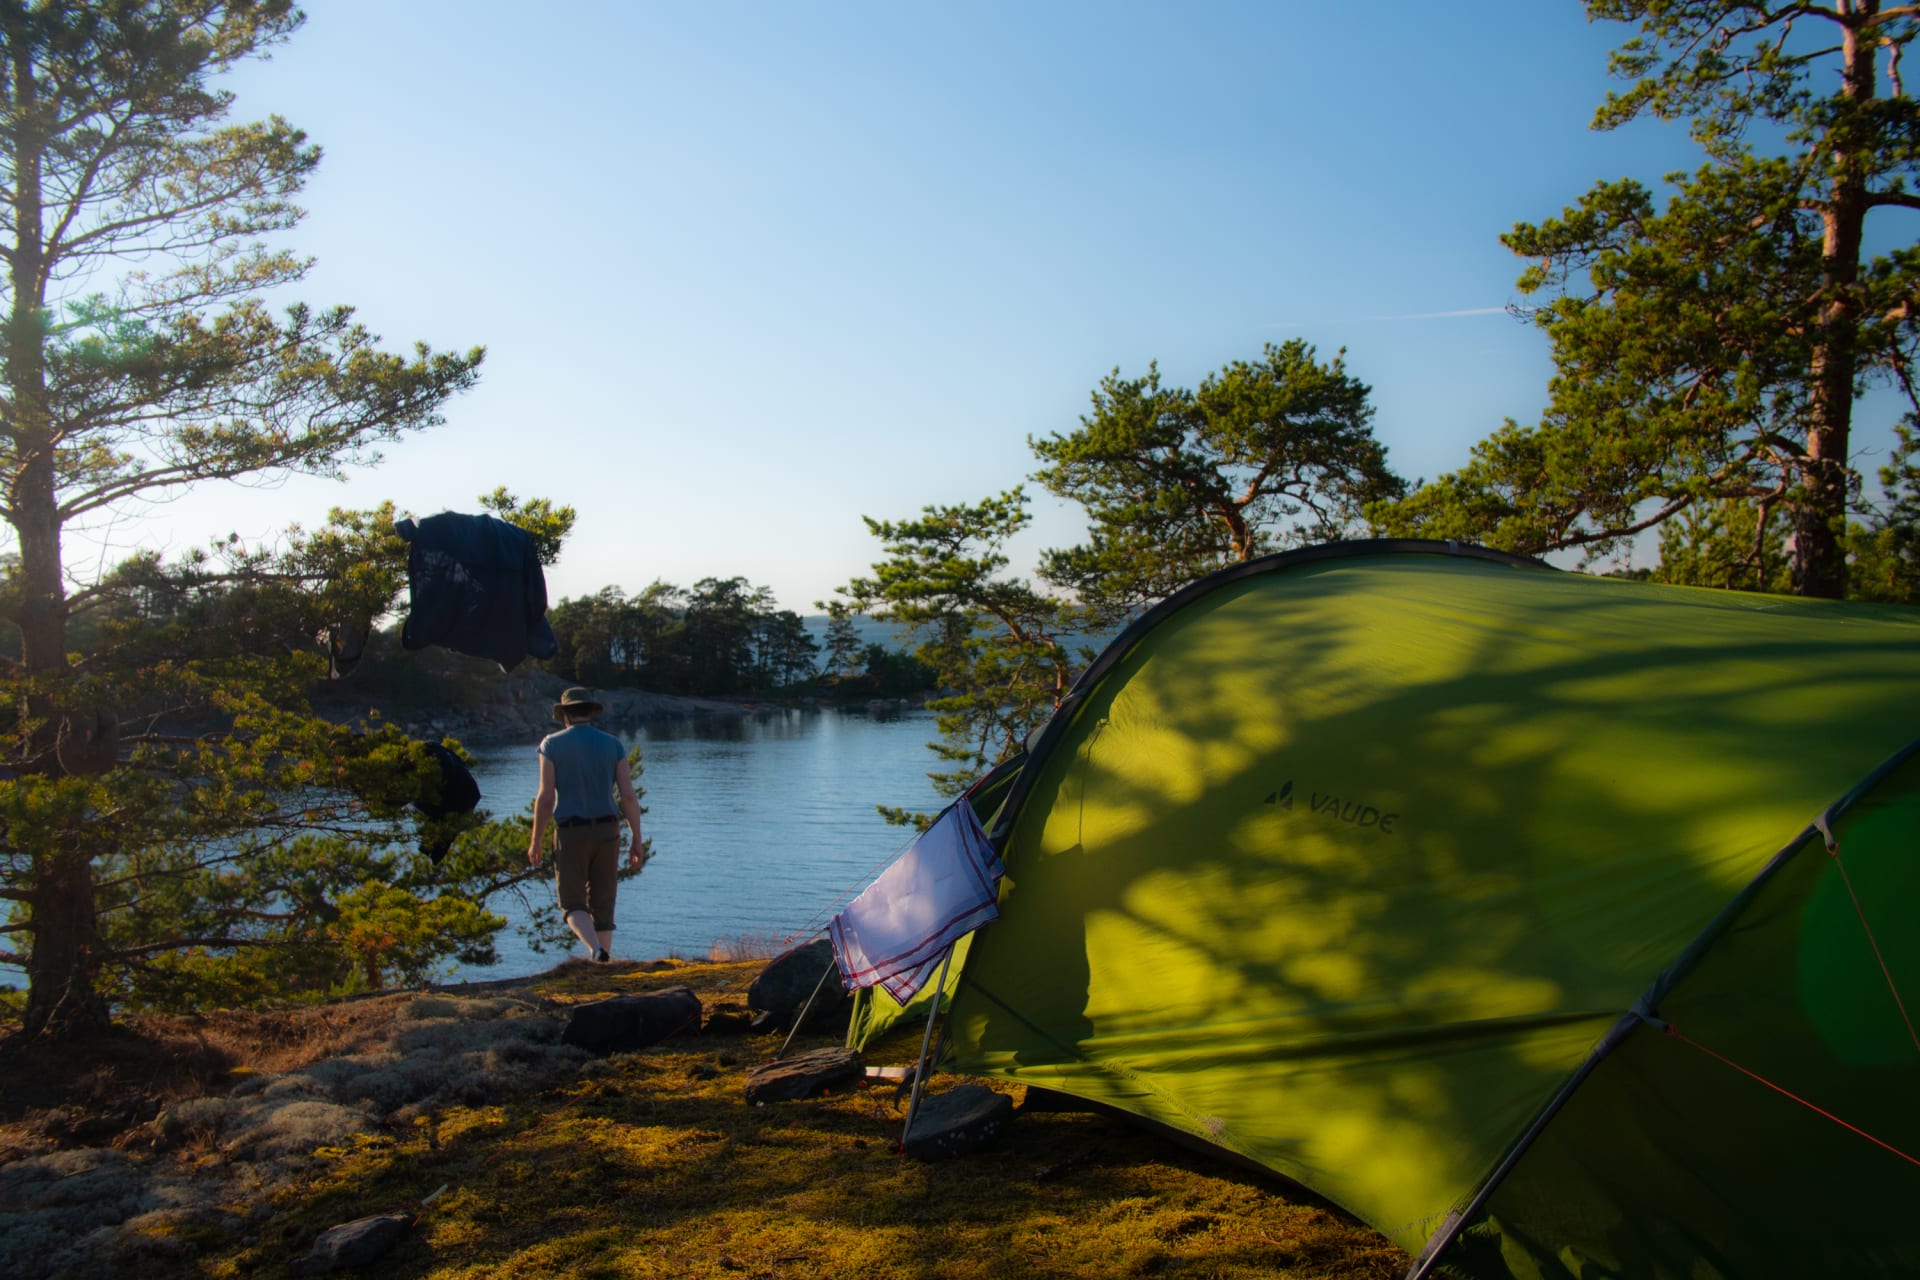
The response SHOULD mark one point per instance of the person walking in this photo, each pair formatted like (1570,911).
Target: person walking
(583,771)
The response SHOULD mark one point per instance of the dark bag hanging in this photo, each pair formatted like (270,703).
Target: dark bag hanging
(458,793)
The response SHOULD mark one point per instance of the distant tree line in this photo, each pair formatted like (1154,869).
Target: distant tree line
(721,638)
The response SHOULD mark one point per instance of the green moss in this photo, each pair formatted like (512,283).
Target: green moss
(654,1165)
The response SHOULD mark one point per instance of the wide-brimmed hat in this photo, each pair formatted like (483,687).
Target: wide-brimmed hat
(575,700)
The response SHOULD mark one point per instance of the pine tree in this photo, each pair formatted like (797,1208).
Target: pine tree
(1711,343)
(171,814)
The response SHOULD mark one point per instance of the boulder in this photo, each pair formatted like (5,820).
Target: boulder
(958,1121)
(353,1244)
(783,987)
(804,1075)
(624,1024)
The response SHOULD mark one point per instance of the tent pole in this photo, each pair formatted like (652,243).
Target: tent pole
(805,1009)
(920,1064)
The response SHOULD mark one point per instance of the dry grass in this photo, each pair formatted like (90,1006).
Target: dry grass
(654,1165)
(749,946)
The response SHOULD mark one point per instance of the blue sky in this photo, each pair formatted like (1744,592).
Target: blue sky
(747,272)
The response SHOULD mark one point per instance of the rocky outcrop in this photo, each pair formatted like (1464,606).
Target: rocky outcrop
(627,1024)
(804,1075)
(211,1166)
(511,707)
(782,989)
(353,1244)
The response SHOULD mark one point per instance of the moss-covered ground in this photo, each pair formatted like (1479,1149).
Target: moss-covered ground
(653,1164)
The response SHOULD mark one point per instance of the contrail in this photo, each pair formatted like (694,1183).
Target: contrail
(1449,315)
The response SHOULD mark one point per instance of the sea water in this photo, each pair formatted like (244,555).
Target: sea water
(762,825)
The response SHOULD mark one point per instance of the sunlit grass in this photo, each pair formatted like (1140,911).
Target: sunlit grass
(748,946)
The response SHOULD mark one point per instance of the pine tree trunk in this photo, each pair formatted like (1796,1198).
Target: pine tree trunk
(61,999)
(1819,552)
(1820,517)
(64,956)
(33,496)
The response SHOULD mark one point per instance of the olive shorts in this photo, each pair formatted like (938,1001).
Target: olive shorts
(587,867)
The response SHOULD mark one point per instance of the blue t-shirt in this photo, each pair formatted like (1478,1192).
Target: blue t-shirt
(584,759)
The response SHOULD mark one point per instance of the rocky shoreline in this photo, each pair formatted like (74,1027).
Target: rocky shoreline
(524,712)
(519,708)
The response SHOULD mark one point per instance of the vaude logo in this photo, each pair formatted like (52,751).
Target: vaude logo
(1327,805)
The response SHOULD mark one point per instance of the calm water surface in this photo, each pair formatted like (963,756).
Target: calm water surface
(762,826)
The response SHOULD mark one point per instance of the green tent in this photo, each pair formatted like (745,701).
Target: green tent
(1554,925)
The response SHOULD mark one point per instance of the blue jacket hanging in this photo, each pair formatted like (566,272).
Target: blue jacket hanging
(474,585)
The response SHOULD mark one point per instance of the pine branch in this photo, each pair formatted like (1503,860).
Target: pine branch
(1885,16)
(179,944)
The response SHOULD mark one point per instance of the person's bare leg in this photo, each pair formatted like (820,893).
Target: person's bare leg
(606,942)
(581,922)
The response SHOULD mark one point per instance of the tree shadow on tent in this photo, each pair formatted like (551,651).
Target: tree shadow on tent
(1350,880)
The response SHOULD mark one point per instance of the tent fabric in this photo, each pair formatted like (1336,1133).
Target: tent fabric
(1378,865)
(1791,996)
